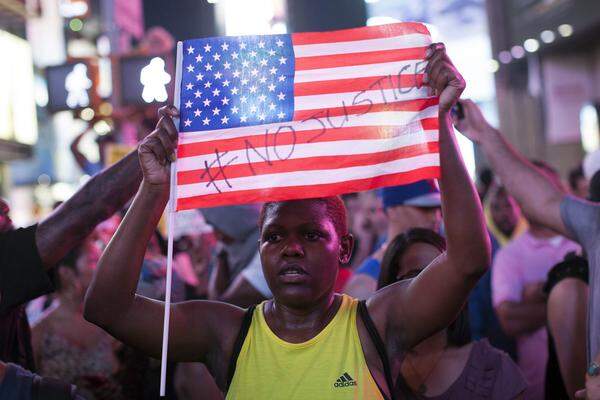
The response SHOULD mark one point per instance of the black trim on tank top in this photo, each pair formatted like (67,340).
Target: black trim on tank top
(369,325)
(379,346)
(239,341)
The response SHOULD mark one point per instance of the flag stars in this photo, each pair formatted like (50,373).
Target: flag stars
(281,78)
(206,103)
(261,45)
(217,57)
(243,99)
(225,46)
(188,104)
(253,54)
(262,98)
(216,92)
(263,62)
(227,65)
(254,72)
(281,115)
(189,86)
(245,64)
(234,110)
(226,83)
(190,68)
(244,82)
(187,122)
(190,50)
(216,111)
(253,89)
(234,55)
(236,73)
(281,96)
(197,112)
(206,121)
(218,75)
(261,117)
(198,94)
(253,109)
(225,120)
(235,91)
(282,60)
(243,46)
(263,80)
(271,88)
(279,43)
(271,52)
(199,58)
(207,84)
(243,118)
(272,107)
(225,101)
(273,70)
(208,66)
(199,77)
(207,48)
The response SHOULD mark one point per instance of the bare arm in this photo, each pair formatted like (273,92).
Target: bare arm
(197,328)
(536,193)
(567,309)
(520,318)
(102,196)
(79,157)
(433,299)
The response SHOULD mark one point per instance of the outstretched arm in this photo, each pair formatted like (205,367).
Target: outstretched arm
(80,158)
(102,196)
(536,193)
(197,328)
(430,302)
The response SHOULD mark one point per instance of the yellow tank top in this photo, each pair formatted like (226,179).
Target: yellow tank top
(329,366)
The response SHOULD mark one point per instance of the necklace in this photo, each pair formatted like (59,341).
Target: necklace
(422,388)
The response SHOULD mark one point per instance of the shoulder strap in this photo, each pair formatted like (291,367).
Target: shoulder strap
(374,335)
(239,341)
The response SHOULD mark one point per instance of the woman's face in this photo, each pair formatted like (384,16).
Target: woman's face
(300,251)
(416,258)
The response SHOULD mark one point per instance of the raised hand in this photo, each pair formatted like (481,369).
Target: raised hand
(473,125)
(157,150)
(442,77)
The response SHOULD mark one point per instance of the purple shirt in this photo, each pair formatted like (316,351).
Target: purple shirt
(527,260)
(488,374)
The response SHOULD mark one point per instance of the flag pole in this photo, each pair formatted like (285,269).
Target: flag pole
(170,228)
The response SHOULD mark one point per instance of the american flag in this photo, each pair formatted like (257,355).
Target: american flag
(276,117)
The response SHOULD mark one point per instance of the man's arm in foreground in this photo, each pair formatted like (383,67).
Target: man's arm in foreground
(196,328)
(415,310)
(102,196)
(536,193)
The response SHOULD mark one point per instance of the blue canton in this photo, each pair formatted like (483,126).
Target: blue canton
(228,82)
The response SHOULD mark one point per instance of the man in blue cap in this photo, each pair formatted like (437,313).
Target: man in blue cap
(416,205)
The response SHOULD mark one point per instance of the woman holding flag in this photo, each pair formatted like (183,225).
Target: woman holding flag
(308,342)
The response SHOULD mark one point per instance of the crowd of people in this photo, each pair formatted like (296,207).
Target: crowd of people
(418,291)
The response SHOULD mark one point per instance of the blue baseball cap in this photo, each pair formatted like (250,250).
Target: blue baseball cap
(423,193)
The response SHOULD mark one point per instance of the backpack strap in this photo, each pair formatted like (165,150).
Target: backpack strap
(239,341)
(379,346)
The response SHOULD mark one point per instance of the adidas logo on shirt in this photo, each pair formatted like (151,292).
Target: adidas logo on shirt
(344,380)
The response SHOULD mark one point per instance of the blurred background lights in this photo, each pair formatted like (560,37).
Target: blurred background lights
(505,57)
(531,45)
(87,114)
(517,51)
(76,24)
(565,30)
(547,36)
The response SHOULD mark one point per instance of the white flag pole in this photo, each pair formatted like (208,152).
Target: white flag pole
(170,228)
